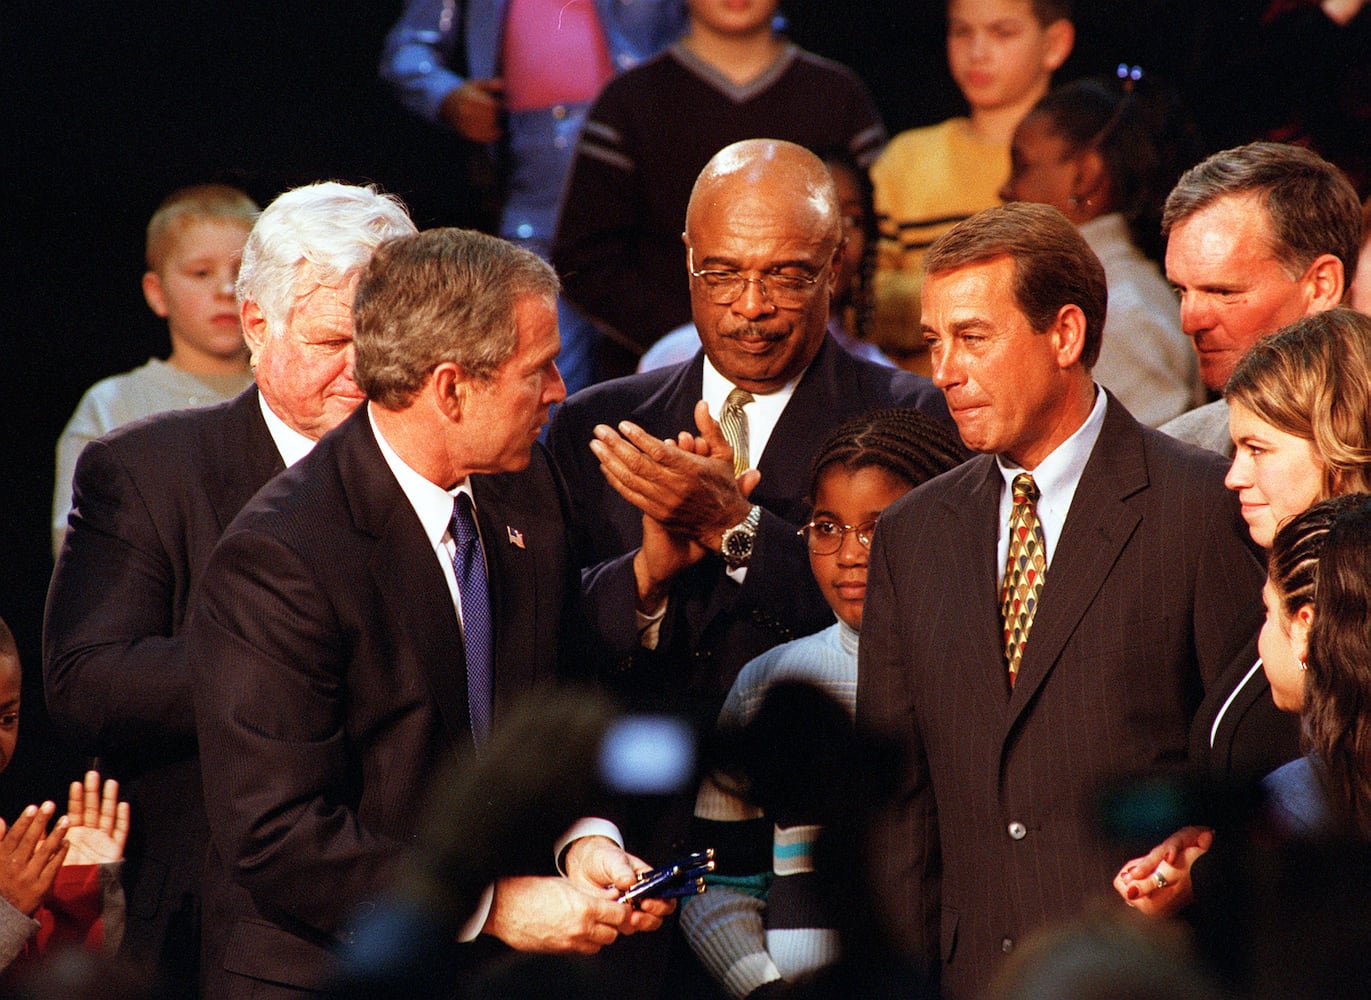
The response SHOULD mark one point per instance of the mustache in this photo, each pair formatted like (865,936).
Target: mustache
(751,331)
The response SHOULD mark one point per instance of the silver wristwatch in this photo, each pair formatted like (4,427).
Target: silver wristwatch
(736,547)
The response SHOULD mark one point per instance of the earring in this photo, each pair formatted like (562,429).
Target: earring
(1303,665)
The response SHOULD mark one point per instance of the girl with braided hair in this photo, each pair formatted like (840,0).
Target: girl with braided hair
(757,923)
(1316,651)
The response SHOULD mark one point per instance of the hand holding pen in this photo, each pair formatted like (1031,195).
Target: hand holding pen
(684,877)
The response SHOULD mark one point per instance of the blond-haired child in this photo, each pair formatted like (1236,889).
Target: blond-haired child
(194,242)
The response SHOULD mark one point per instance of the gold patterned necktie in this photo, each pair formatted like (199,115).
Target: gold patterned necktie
(733,422)
(1023,572)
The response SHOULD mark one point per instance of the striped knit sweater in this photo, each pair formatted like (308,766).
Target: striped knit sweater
(760,921)
(925,182)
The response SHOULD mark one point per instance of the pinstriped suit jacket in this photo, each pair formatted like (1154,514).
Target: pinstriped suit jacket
(1151,593)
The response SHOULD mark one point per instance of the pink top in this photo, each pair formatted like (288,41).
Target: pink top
(554,53)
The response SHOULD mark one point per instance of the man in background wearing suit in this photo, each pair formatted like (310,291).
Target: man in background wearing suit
(700,553)
(1128,540)
(151,500)
(378,606)
(1258,236)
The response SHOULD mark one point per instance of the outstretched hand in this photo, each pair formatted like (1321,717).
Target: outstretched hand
(99,822)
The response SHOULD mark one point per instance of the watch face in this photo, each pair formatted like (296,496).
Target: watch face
(736,543)
(737,546)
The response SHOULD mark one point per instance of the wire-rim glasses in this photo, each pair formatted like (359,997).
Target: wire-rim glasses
(825,537)
(781,289)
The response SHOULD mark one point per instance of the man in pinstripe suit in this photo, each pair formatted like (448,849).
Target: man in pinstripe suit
(1148,592)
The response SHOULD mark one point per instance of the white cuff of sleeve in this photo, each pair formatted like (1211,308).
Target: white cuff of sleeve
(650,626)
(472,928)
(587,827)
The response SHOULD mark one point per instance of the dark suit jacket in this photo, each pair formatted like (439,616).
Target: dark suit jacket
(1152,589)
(1253,736)
(713,624)
(151,500)
(330,682)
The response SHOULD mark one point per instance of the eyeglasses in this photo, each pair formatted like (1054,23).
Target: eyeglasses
(826,537)
(785,291)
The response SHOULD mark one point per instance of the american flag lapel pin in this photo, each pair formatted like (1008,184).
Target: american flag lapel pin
(516,537)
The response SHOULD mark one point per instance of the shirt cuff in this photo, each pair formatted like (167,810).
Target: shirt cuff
(649,626)
(472,928)
(587,827)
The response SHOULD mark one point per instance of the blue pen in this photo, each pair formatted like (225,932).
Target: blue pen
(649,882)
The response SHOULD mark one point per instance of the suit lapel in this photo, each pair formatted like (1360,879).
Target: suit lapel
(671,407)
(804,425)
(975,513)
(406,573)
(248,457)
(1098,526)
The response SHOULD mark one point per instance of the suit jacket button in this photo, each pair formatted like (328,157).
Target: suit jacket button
(1007,945)
(1017,830)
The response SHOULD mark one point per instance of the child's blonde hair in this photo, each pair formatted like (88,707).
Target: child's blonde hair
(189,204)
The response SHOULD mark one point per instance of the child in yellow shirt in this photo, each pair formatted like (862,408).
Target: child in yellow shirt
(1002,54)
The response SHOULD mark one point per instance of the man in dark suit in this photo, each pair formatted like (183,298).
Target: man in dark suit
(358,622)
(704,558)
(1012,717)
(151,501)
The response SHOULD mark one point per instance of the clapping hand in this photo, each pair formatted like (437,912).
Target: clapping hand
(30,855)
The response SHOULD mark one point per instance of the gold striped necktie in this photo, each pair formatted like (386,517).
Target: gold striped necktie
(733,422)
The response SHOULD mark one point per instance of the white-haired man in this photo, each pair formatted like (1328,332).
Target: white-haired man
(150,502)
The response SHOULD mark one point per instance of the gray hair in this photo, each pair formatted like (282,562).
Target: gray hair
(441,295)
(319,234)
(1312,207)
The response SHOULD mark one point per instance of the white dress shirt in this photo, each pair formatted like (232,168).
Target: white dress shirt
(1056,477)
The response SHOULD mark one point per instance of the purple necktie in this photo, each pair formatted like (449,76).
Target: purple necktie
(469,563)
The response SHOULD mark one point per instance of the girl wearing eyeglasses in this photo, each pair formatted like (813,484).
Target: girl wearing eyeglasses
(756,927)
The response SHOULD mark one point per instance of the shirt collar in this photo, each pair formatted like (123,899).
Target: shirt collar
(291,444)
(1056,478)
(1062,468)
(848,637)
(431,502)
(762,413)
